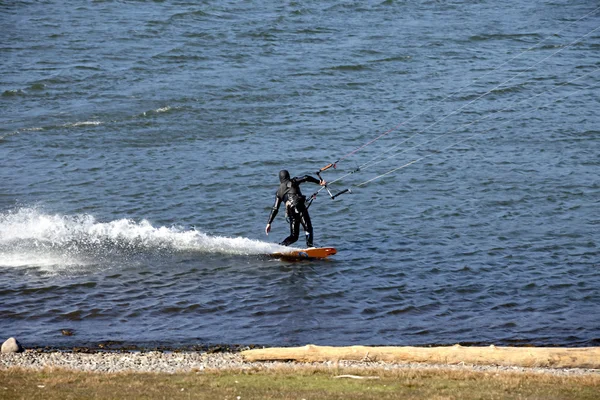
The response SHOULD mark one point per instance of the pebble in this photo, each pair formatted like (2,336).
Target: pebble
(177,362)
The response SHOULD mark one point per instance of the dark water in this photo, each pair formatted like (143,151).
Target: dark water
(140,144)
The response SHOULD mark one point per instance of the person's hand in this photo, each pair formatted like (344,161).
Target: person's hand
(268,229)
(323,183)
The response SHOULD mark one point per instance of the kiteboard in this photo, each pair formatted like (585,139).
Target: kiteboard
(304,254)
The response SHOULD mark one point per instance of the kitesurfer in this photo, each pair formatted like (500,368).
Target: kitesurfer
(295,207)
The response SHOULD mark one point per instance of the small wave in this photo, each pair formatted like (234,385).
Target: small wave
(355,67)
(18,131)
(2,137)
(157,111)
(13,93)
(509,89)
(31,237)
(82,123)
(393,59)
(501,36)
(186,15)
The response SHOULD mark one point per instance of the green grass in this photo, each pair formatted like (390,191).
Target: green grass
(301,383)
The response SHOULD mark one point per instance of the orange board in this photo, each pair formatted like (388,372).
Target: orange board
(311,253)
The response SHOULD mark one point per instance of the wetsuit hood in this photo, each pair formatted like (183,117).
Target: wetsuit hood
(284,176)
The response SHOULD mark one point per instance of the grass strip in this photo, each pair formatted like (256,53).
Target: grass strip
(301,383)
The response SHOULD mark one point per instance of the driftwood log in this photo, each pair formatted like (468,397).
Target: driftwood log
(547,357)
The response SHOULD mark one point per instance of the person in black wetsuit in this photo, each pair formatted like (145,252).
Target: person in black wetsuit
(290,194)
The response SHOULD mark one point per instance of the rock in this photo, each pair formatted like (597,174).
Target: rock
(12,346)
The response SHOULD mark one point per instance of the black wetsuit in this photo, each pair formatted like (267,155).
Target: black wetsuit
(290,194)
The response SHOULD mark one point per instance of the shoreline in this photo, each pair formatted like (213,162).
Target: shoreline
(198,361)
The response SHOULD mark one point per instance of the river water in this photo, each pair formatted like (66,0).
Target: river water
(140,145)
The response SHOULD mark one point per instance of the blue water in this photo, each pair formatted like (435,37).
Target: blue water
(140,144)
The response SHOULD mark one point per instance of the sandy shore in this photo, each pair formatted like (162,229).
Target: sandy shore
(172,362)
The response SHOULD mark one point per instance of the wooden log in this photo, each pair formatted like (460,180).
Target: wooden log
(548,357)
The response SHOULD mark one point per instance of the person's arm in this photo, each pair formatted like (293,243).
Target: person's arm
(308,178)
(273,214)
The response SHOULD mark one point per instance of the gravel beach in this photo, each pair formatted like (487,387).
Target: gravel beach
(174,362)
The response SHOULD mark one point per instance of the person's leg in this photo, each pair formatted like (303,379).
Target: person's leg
(307,225)
(294,230)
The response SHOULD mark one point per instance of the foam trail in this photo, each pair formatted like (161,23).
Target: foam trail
(31,237)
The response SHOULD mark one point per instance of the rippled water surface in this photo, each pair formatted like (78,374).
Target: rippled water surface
(140,144)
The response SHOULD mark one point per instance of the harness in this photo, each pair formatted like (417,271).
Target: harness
(293,200)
